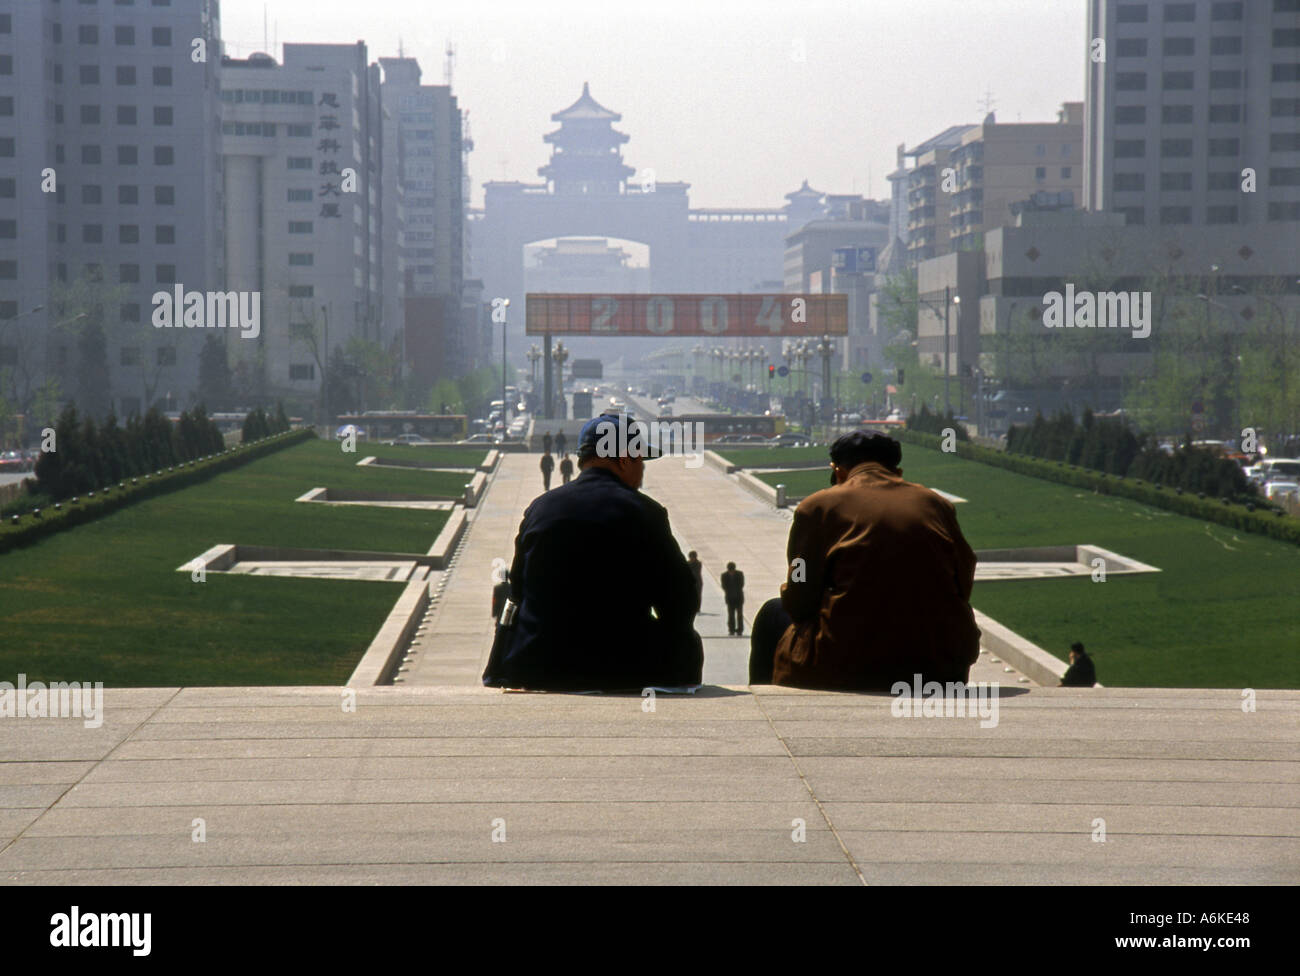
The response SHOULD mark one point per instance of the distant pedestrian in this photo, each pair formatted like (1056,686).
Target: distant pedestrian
(500,593)
(548,465)
(733,588)
(566,468)
(1081,673)
(560,441)
(697,571)
(546,443)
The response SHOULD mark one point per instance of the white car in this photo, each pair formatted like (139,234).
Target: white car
(1275,491)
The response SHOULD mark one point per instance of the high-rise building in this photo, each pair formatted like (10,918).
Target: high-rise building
(425,160)
(110,184)
(1193,111)
(304,198)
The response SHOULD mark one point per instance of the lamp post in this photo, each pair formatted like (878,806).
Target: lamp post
(560,354)
(949,300)
(534,354)
(325,370)
(505,407)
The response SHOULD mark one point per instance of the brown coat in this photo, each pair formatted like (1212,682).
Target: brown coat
(884,591)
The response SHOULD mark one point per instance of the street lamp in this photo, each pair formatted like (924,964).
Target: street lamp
(533,354)
(560,354)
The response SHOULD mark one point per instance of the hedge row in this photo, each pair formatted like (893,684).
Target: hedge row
(26,529)
(1265,522)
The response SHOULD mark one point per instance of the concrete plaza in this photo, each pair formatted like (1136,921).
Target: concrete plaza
(438,780)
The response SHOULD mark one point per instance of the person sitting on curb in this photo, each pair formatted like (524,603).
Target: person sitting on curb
(601,597)
(1081,673)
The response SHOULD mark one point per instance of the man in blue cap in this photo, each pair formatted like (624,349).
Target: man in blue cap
(601,597)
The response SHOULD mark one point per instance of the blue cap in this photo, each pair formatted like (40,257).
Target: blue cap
(616,435)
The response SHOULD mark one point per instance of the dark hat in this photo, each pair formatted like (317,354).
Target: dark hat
(1077,647)
(616,435)
(857,446)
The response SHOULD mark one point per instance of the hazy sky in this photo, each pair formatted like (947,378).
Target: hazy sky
(713,92)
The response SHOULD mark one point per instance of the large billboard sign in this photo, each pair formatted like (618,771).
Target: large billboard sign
(687,315)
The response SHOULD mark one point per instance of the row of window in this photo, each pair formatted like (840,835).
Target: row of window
(1136,47)
(123,35)
(1179,181)
(124,75)
(126,115)
(91,155)
(1185,11)
(1219,214)
(266,96)
(1178,80)
(1179,114)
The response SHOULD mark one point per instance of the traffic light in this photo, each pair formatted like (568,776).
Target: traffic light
(771,371)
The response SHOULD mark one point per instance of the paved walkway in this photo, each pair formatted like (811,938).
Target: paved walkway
(709,512)
(410,787)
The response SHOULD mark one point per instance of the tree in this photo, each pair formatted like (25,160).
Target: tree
(216,381)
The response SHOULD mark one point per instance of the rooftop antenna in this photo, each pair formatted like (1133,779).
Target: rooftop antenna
(266,36)
(450,63)
(987,102)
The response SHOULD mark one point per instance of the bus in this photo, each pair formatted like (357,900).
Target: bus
(720,425)
(884,426)
(384,424)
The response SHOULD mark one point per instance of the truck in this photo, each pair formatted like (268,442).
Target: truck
(582,406)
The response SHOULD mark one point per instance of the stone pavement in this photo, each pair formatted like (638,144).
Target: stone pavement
(709,512)
(732,786)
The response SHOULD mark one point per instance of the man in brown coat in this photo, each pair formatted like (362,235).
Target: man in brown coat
(878,585)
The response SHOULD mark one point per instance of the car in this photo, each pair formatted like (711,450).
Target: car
(732,440)
(410,439)
(1276,491)
(14,461)
(789,439)
(482,438)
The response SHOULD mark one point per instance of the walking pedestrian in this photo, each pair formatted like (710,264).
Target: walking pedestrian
(560,441)
(546,443)
(566,468)
(733,588)
(548,465)
(697,571)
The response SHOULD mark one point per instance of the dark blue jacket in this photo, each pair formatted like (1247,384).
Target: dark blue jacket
(593,559)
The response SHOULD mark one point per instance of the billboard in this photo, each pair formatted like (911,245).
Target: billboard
(687,315)
(587,369)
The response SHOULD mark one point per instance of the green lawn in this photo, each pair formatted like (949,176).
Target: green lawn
(761,457)
(102,602)
(1222,613)
(439,457)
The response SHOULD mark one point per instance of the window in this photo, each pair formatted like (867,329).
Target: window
(126,74)
(1129,182)
(1286,37)
(1130,148)
(1224,147)
(301,291)
(300,196)
(161,37)
(1040,172)
(1175,181)
(300,162)
(7,105)
(127,155)
(164,234)
(1175,215)
(164,196)
(9,270)
(126,115)
(128,274)
(128,233)
(129,356)
(88,34)
(1176,114)
(1284,142)
(90,115)
(1175,148)
(1131,13)
(302,371)
(165,355)
(1131,47)
(92,233)
(6,23)
(123,35)
(1131,115)
(1229,10)
(8,188)
(1284,176)
(1066,171)
(1221,181)
(90,155)
(1286,72)
(1284,211)
(162,115)
(1225,79)
(88,74)
(1282,107)
(1225,213)
(1178,46)
(9,229)
(163,155)
(1179,12)
(165,274)
(162,76)
(301,260)
(1177,81)
(1225,113)
(92,194)
(300,226)
(1130,81)
(297,131)
(1225,45)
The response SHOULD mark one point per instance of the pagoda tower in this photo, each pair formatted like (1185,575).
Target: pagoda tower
(586,155)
